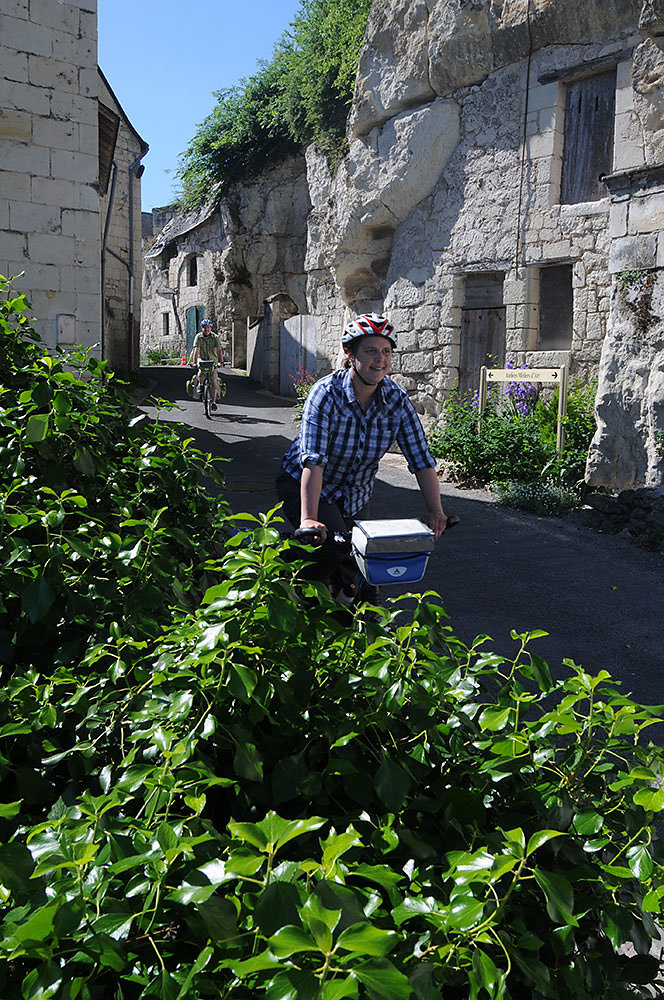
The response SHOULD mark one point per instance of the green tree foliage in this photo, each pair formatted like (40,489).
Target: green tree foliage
(301,95)
(246,796)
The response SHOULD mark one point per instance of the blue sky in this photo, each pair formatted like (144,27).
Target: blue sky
(164,60)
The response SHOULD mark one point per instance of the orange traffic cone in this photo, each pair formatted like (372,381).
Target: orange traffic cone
(184,359)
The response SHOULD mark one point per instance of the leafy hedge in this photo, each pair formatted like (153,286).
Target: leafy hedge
(301,95)
(98,504)
(258,798)
(515,441)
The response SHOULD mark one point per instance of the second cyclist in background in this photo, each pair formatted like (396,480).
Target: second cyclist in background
(208,348)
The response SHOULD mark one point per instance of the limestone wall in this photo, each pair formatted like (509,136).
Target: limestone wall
(49,205)
(454,169)
(248,246)
(463,167)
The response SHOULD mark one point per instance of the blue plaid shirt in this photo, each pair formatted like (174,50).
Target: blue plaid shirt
(336,433)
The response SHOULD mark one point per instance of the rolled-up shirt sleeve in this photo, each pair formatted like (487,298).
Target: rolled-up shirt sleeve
(314,429)
(412,440)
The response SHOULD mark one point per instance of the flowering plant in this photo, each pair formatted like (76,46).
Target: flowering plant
(302,382)
(522,395)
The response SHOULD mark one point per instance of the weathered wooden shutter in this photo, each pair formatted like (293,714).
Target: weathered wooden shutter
(482,343)
(482,327)
(556,308)
(589,128)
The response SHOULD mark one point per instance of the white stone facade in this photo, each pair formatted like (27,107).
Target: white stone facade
(51,215)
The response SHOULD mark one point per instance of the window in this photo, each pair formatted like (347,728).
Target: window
(109,123)
(556,308)
(165,324)
(588,144)
(192,271)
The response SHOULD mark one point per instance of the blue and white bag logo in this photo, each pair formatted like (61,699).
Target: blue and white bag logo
(396,571)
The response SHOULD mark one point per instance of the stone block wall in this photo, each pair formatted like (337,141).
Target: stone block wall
(49,214)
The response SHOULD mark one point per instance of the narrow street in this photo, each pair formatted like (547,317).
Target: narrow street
(599,598)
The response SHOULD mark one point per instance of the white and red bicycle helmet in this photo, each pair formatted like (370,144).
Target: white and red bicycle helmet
(369,325)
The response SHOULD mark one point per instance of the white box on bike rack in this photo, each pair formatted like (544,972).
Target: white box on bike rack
(392,551)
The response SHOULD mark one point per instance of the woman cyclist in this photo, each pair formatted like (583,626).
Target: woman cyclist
(350,419)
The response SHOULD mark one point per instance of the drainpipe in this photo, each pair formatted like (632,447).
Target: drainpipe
(137,171)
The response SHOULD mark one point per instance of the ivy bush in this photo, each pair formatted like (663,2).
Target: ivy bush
(242,794)
(99,505)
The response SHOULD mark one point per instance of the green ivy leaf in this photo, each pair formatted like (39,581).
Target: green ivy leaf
(36,428)
(484,969)
(258,963)
(291,940)
(247,762)
(540,838)
(640,862)
(37,599)
(465,912)
(495,718)
(84,461)
(559,897)
(588,823)
(392,784)
(339,989)
(383,979)
(365,939)
(650,799)
(42,983)
(277,906)
(9,810)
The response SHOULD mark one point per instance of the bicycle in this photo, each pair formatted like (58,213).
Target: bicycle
(377,553)
(205,369)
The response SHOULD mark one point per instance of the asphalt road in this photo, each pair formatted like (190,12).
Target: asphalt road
(600,599)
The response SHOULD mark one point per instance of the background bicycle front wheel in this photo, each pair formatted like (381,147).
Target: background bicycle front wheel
(206,399)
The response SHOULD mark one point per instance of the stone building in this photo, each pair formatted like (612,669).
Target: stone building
(70,181)
(503,172)
(224,261)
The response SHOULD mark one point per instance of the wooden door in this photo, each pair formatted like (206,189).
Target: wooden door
(482,343)
(589,128)
(195,316)
(297,348)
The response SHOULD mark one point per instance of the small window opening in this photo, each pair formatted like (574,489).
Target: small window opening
(165,324)
(193,271)
(556,308)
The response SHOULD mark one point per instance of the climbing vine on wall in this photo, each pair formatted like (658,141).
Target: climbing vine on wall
(301,95)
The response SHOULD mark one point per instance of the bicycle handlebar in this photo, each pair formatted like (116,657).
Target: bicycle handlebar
(302,534)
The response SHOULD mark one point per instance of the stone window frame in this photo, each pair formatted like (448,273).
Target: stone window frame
(545,124)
